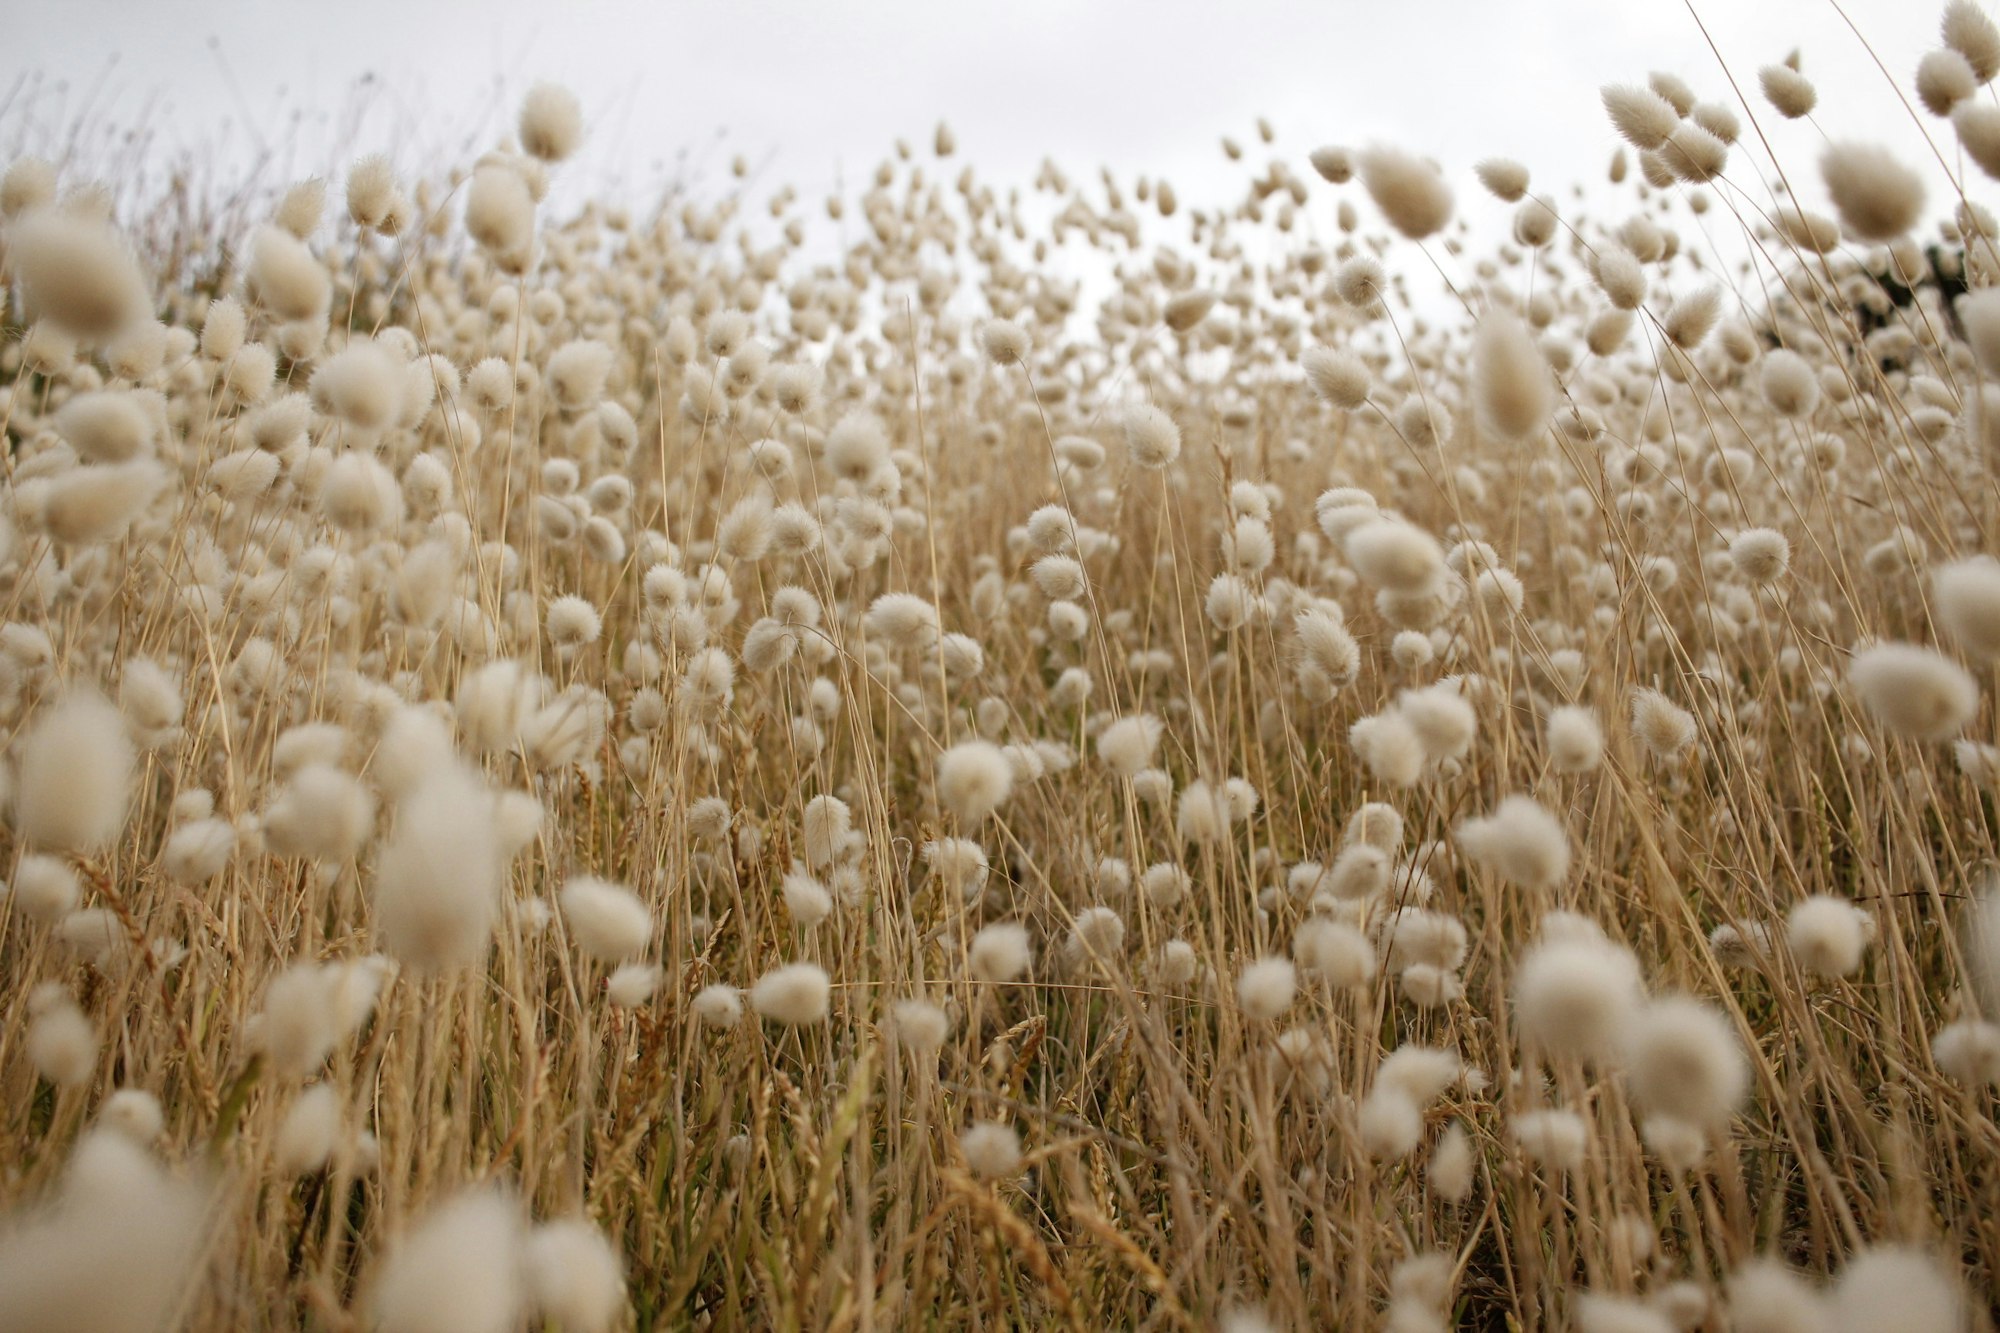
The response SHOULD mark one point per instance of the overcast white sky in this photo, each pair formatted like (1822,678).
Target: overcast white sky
(812,90)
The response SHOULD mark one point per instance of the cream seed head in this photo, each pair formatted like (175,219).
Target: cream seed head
(1827,936)
(1916,692)
(551,122)
(794,995)
(973,780)
(607,921)
(1877,197)
(73,775)
(991,1149)
(1521,842)
(1265,989)
(999,952)
(1410,191)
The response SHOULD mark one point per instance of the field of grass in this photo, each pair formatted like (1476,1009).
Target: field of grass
(600,770)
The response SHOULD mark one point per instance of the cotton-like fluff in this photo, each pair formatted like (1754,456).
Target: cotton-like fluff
(438,877)
(1683,1062)
(1335,952)
(999,952)
(116,1250)
(106,427)
(309,1132)
(1453,1164)
(61,1043)
(1663,727)
(1760,555)
(1410,191)
(73,775)
(576,1279)
(1827,936)
(1203,813)
(973,780)
(1129,744)
(1521,842)
(1969,1051)
(1575,740)
(795,995)
(1575,997)
(1898,1289)
(1511,383)
(321,814)
(1877,197)
(1764,1296)
(362,385)
(1917,692)
(1554,1140)
(88,505)
(550,124)
(1966,595)
(1152,440)
(1390,747)
(991,1149)
(921,1026)
(46,889)
(1265,989)
(77,272)
(607,921)
(458,1269)
(1396,556)
(718,1005)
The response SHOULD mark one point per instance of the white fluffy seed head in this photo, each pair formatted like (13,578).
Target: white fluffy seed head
(795,995)
(1684,1062)
(1915,691)
(1511,383)
(73,774)
(438,877)
(458,1268)
(1410,191)
(1640,115)
(1664,728)
(1898,1289)
(991,1149)
(551,122)
(1575,740)
(1151,438)
(1966,595)
(1338,378)
(607,921)
(1574,997)
(1760,555)
(1877,197)
(718,1005)
(974,779)
(999,952)
(1521,842)
(575,1277)
(921,1026)
(1395,555)
(1453,1164)
(1265,989)
(1827,936)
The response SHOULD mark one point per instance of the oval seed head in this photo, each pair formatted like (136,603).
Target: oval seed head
(1151,437)
(1265,989)
(607,921)
(999,952)
(1828,935)
(973,780)
(991,1149)
(1967,596)
(1511,382)
(1684,1062)
(551,123)
(1915,691)
(1339,378)
(1877,197)
(73,773)
(1410,191)
(795,995)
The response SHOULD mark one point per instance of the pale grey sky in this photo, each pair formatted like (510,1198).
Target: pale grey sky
(812,89)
